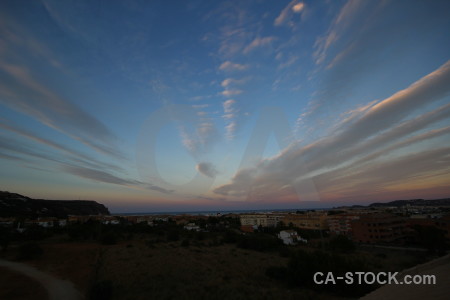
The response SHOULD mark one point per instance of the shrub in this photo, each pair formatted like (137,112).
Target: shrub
(30,251)
(303,265)
(185,243)
(258,242)
(341,243)
(102,290)
(108,238)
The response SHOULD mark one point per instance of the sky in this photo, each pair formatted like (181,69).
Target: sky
(223,105)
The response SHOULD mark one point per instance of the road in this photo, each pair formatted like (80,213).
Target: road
(57,289)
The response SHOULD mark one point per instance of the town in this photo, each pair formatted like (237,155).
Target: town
(385,225)
(259,253)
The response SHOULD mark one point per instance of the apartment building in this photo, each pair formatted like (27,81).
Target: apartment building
(263,220)
(342,224)
(379,228)
(311,220)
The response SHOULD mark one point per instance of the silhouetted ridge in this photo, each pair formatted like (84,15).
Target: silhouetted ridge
(414,202)
(16,205)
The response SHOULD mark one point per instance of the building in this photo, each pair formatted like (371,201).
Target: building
(379,228)
(440,222)
(341,224)
(290,237)
(263,220)
(248,228)
(192,226)
(310,220)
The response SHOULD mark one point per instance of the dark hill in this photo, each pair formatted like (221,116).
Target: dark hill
(16,205)
(414,202)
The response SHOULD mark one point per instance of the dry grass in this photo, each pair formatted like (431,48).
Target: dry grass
(168,271)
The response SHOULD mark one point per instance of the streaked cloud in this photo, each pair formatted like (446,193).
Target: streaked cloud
(286,14)
(258,42)
(232,81)
(230,66)
(230,116)
(26,95)
(341,164)
(335,31)
(74,155)
(230,93)
(102,176)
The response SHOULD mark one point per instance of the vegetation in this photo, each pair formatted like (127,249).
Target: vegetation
(30,251)
(215,262)
(303,265)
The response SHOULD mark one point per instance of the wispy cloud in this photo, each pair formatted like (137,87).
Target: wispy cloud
(25,94)
(199,140)
(230,66)
(286,14)
(74,155)
(232,81)
(340,23)
(258,42)
(105,177)
(230,93)
(230,116)
(339,171)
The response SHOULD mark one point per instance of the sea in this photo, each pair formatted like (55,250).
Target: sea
(216,212)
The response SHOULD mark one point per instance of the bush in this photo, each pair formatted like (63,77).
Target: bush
(230,237)
(431,238)
(102,290)
(5,238)
(185,243)
(341,243)
(108,238)
(173,235)
(259,242)
(30,251)
(303,265)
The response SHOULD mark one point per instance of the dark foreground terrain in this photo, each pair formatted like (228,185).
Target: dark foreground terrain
(165,261)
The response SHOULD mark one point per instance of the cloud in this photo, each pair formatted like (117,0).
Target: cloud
(287,12)
(159,189)
(361,155)
(289,62)
(102,176)
(207,169)
(97,175)
(199,138)
(228,105)
(22,92)
(229,93)
(230,66)
(298,7)
(17,37)
(15,147)
(200,106)
(232,81)
(258,42)
(230,115)
(335,31)
(74,155)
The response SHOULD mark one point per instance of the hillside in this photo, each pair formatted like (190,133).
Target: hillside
(16,205)
(414,202)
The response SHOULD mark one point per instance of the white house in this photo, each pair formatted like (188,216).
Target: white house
(290,237)
(192,226)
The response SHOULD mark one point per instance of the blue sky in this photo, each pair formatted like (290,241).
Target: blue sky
(187,105)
